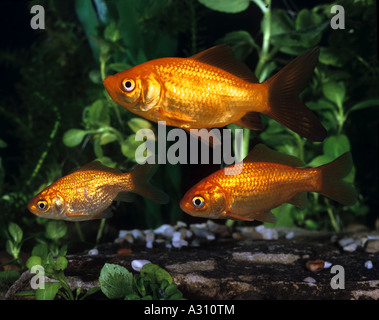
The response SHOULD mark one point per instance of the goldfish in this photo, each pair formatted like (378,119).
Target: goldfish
(267,179)
(86,193)
(212,89)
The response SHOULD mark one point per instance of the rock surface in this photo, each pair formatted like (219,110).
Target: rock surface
(226,268)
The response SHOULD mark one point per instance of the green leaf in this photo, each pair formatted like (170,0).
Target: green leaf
(320,160)
(155,274)
(335,146)
(139,284)
(335,92)
(132,296)
(116,281)
(56,229)
(241,42)
(73,137)
(119,66)
(98,114)
(40,250)
(15,232)
(61,263)
(228,6)
(138,123)
(111,32)
(107,137)
(9,276)
(33,261)
(363,105)
(88,18)
(50,291)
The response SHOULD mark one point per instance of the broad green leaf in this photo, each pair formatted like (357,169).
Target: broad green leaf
(56,229)
(138,123)
(320,160)
(335,92)
(15,232)
(33,261)
(228,6)
(107,137)
(241,42)
(155,274)
(40,250)
(98,114)
(73,137)
(328,57)
(61,263)
(50,291)
(116,281)
(335,146)
(119,66)
(111,32)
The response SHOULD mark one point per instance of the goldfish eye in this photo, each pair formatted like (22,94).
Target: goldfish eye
(42,205)
(128,85)
(198,202)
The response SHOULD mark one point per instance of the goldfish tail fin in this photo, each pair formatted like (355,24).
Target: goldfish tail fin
(284,104)
(141,183)
(332,184)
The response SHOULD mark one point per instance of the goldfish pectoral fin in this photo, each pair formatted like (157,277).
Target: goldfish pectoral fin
(266,216)
(299,200)
(141,176)
(251,120)
(284,105)
(206,137)
(125,197)
(261,153)
(230,215)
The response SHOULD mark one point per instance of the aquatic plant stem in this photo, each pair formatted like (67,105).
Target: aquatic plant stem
(48,145)
(79,231)
(332,218)
(101,230)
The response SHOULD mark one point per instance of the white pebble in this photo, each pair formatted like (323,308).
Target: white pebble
(327,264)
(177,236)
(350,247)
(149,244)
(138,234)
(310,281)
(165,230)
(267,233)
(93,252)
(290,235)
(368,264)
(345,241)
(179,243)
(138,264)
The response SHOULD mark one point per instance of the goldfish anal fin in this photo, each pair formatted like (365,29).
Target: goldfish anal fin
(222,57)
(251,120)
(300,200)
(230,215)
(261,153)
(97,166)
(266,216)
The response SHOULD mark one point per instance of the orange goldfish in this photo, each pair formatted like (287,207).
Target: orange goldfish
(86,193)
(213,89)
(267,180)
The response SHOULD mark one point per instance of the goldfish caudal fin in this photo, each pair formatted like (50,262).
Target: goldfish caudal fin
(332,184)
(284,104)
(142,186)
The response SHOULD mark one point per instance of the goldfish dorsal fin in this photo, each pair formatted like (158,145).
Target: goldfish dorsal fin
(97,166)
(222,57)
(261,153)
